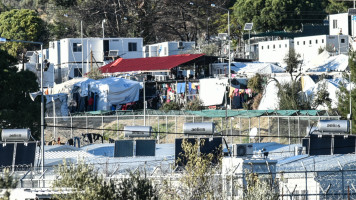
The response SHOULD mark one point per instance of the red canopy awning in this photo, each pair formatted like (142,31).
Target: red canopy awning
(148,64)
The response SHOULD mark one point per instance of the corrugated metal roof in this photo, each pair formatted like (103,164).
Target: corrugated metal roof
(148,64)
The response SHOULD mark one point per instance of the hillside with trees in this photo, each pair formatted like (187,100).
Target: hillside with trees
(162,20)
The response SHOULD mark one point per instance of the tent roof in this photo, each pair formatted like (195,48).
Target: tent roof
(257,67)
(148,64)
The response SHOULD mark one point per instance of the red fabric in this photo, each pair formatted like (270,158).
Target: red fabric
(91,101)
(148,64)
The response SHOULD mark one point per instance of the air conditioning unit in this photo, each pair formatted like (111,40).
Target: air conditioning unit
(113,53)
(161,77)
(243,150)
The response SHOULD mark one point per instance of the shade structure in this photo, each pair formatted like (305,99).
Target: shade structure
(148,64)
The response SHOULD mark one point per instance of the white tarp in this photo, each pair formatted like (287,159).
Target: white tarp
(261,68)
(307,83)
(212,91)
(114,91)
(66,87)
(59,101)
(323,63)
(270,100)
(332,86)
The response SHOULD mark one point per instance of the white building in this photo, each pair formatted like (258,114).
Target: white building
(308,47)
(342,24)
(167,49)
(74,57)
(34,64)
(234,167)
(274,51)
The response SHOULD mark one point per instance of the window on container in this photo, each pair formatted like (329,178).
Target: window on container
(274,46)
(262,47)
(298,43)
(310,42)
(132,46)
(285,45)
(280,46)
(77,47)
(316,41)
(303,42)
(334,24)
(267,46)
(78,72)
(342,40)
(322,40)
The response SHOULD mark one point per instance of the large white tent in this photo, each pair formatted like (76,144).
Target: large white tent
(114,91)
(326,63)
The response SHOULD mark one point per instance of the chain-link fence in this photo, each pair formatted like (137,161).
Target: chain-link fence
(282,129)
(308,184)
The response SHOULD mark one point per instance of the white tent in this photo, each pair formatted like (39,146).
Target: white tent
(66,87)
(261,68)
(332,86)
(269,99)
(114,91)
(323,63)
(59,103)
(212,90)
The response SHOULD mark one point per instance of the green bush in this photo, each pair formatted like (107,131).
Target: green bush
(170,106)
(195,105)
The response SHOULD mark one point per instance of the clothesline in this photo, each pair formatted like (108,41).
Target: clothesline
(237,92)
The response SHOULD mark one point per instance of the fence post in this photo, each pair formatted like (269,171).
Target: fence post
(71,126)
(259,129)
(306,180)
(102,126)
(278,130)
(158,130)
(300,139)
(86,122)
(289,129)
(117,125)
(240,128)
(342,179)
(166,124)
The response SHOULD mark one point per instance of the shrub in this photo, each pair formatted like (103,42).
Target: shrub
(195,104)
(170,106)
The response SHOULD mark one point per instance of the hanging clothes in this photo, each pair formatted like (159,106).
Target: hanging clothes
(231,91)
(180,88)
(236,92)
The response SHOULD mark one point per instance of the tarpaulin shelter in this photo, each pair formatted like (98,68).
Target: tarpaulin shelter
(114,91)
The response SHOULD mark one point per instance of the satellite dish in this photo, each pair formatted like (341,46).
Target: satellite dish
(253,132)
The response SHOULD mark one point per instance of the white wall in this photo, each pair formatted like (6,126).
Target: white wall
(338,23)
(308,47)
(62,53)
(168,49)
(274,51)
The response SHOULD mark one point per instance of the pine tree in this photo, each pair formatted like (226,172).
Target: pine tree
(344,95)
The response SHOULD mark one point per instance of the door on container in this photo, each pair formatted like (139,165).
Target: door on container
(106,49)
